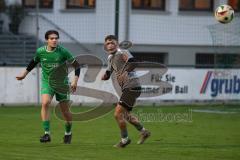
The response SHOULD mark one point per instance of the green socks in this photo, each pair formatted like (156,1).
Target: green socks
(46,127)
(68,128)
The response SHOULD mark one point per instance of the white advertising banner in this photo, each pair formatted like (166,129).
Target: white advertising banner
(202,84)
(187,85)
(13,91)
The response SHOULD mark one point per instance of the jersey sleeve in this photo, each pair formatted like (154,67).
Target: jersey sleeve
(36,58)
(126,55)
(129,55)
(68,56)
(109,66)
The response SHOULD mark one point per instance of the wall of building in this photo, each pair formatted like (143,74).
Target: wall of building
(180,34)
(181,55)
(170,27)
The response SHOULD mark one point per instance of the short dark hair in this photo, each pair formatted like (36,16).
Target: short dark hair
(51,32)
(111,37)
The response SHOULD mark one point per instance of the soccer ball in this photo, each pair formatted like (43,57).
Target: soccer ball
(224,14)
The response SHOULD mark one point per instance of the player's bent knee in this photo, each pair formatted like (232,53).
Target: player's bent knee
(45,104)
(118,114)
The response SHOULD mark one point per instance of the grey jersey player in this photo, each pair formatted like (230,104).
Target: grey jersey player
(120,63)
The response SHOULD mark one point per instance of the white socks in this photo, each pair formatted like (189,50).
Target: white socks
(124,140)
(68,133)
(143,129)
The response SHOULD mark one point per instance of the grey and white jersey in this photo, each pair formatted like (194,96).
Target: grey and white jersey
(118,65)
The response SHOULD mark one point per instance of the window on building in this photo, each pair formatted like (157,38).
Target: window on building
(76,4)
(217,60)
(204,60)
(228,60)
(150,57)
(195,5)
(235,4)
(2,6)
(148,4)
(42,4)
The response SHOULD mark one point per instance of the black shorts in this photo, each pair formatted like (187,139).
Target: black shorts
(129,96)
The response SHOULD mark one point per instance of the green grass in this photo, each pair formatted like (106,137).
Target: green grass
(208,136)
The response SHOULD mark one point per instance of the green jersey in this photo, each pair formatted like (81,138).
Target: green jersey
(50,60)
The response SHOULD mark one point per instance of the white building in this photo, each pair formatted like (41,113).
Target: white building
(174,32)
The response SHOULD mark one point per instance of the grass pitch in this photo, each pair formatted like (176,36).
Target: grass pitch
(178,132)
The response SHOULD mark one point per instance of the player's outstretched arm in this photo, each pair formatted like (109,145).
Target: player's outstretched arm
(76,77)
(131,64)
(30,66)
(22,75)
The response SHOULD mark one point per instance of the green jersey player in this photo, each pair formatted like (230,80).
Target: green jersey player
(50,57)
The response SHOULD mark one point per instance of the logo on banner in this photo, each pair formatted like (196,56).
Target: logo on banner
(220,83)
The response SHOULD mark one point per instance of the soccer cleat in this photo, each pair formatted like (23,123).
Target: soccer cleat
(67,139)
(143,136)
(122,145)
(45,138)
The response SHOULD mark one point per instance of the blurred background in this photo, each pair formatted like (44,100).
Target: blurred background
(202,55)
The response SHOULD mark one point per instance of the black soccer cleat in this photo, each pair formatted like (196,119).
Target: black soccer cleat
(67,139)
(122,145)
(45,138)
(143,136)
